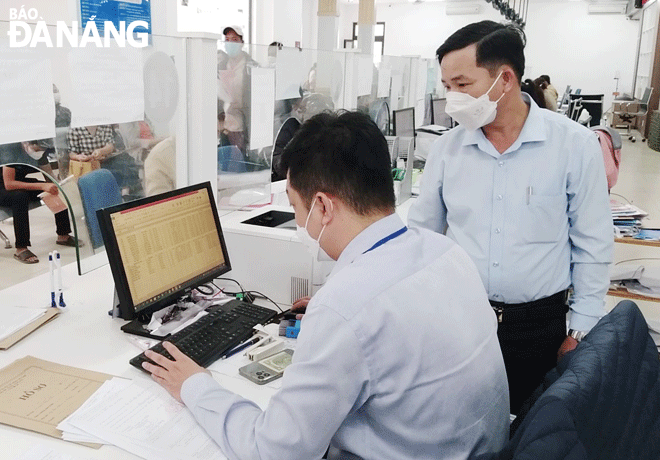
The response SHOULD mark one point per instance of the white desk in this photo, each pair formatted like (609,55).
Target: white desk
(83,336)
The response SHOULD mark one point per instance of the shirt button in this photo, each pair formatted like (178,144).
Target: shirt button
(501,163)
(497,230)
(499,197)
(497,296)
(496,264)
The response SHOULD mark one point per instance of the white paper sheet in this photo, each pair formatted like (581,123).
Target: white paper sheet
(384,77)
(40,452)
(27,107)
(365,74)
(109,86)
(290,73)
(16,318)
(145,421)
(262,108)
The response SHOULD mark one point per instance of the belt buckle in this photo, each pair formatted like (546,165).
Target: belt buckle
(498,312)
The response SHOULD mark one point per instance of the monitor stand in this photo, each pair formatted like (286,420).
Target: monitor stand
(137,327)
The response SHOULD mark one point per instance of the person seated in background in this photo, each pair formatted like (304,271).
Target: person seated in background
(88,146)
(159,168)
(535,92)
(303,109)
(17,191)
(549,95)
(397,356)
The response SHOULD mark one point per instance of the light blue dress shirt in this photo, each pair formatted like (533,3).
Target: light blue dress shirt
(397,358)
(534,219)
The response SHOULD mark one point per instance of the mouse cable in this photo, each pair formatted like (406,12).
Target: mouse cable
(263,296)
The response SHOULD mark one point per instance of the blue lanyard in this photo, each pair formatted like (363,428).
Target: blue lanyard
(391,236)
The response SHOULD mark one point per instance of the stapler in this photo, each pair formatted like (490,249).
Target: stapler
(264,347)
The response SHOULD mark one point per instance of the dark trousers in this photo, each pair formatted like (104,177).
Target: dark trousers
(530,335)
(19,201)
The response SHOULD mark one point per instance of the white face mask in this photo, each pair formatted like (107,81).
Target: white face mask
(233,48)
(312,245)
(473,113)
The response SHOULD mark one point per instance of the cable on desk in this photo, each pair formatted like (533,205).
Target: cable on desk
(263,296)
(243,293)
(640,258)
(205,286)
(621,196)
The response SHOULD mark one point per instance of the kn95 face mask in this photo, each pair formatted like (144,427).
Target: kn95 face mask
(472,113)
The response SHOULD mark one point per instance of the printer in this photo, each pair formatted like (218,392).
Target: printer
(267,256)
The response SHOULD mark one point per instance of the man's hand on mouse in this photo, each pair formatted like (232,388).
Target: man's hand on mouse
(299,306)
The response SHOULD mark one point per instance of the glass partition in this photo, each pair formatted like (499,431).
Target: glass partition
(266,92)
(263,95)
(136,143)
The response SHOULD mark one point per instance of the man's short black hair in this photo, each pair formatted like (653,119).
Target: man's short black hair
(343,154)
(545,78)
(497,44)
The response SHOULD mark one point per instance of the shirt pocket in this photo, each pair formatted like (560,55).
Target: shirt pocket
(544,218)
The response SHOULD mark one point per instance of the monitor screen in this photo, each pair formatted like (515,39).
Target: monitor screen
(404,122)
(161,247)
(440,116)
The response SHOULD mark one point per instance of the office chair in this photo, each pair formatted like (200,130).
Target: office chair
(230,159)
(574,109)
(6,213)
(629,118)
(98,189)
(393,147)
(602,401)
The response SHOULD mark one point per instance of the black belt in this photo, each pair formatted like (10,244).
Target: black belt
(548,307)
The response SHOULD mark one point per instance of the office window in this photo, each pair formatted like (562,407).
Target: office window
(379,39)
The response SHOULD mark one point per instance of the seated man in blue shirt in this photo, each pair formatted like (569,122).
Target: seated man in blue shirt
(523,191)
(397,355)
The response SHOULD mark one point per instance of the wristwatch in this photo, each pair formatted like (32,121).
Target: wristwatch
(577,335)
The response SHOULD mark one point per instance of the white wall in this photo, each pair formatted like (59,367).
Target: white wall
(563,41)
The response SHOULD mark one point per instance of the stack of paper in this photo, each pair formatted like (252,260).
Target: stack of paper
(626,218)
(636,279)
(16,318)
(141,419)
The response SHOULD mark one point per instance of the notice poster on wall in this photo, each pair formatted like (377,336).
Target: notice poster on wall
(262,107)
(109,86)
(27,107)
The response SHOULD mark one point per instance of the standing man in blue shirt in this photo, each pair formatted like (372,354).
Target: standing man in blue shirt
(523,191)
(397,356)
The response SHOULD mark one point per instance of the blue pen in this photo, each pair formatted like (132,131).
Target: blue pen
(58,265)
(52,280)
(240,347)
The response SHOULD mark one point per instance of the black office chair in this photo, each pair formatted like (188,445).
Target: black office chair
(602,400)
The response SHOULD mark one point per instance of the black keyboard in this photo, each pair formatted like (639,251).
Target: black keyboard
(213,335)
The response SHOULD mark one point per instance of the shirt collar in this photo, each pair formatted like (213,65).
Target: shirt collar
(533,129)
(366,239)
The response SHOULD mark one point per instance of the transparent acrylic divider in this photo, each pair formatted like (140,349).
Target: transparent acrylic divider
(144,157)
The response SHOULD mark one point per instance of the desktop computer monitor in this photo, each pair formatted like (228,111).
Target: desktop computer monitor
(440,116)
(404,122)
(161,247)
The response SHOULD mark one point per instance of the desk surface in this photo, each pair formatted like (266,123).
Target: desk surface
(83,326)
